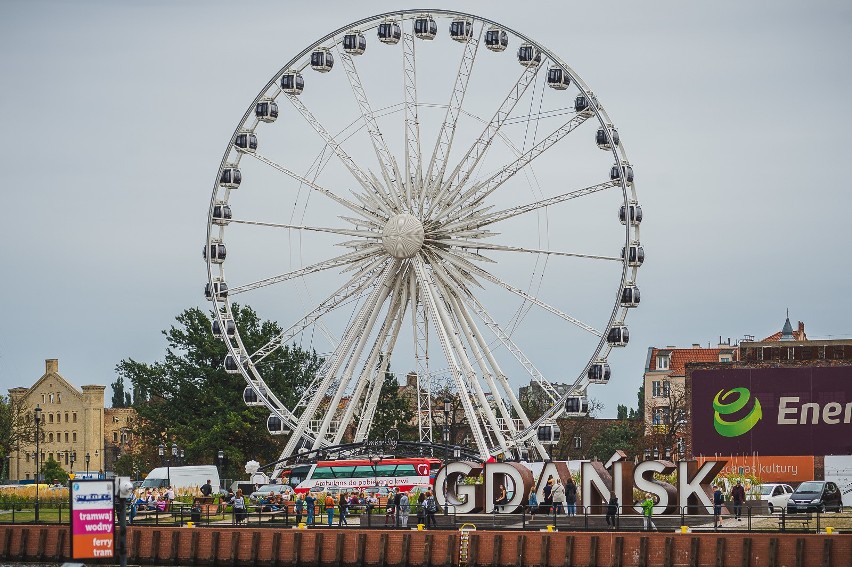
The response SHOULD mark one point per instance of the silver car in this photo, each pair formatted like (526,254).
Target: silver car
(776,495)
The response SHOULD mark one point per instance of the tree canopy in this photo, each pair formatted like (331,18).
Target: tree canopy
(189,399)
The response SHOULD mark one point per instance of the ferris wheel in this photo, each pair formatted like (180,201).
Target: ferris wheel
(437,191)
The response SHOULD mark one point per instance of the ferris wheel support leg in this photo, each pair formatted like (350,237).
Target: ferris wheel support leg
(420,328)
(443,335)
(343,348)
(364,329)
(467,378)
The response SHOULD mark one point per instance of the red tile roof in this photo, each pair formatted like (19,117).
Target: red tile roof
(680,356)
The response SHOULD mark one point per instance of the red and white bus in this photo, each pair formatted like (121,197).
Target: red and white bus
(360,474)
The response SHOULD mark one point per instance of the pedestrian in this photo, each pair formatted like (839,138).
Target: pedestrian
(299,506)
(738,496)
(648,512)
(611,510)
(431,507)
(404,509)
(329,508)
(502,500)
(390,511)
(342,504)
(548,494)
(421,508)
(558,497)
(397,500)
(532,503)
(571,497)
(240,512)
(207,489)
(718,500)
(311,507)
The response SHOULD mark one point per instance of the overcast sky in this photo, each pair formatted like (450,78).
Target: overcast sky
(736,116)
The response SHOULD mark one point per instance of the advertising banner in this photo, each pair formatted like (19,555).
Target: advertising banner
(772,411)
(767,468)
(838,468)
(92,519)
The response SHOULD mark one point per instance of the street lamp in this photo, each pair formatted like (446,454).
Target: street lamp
(88,458)
(38,431)
(447,408)
(71,458)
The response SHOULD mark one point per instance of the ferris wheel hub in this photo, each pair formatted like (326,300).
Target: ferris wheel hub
(402,236)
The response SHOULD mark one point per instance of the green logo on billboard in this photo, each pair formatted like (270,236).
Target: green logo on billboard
(739,427)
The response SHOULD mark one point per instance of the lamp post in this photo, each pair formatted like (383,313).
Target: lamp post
(88,458)
(447,408)
(38,431)
(71,458)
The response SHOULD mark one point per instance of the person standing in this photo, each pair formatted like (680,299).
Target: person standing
(501,499)
(299,506)
(342,504)
(532,503)
(718,500)
(648,512)
(311,507)
(240,507)
(421,508)
(571,497)
(738,495)
(404,509)
(207,489)
(548,494)
(397,500)
(431,507)
(329,508)
(558,496)
(611,510)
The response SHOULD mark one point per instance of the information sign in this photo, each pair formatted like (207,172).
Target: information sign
(92,519)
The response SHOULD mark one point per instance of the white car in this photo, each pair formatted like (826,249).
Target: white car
(776,495)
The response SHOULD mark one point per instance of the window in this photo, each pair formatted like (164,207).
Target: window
(660,388)
(50,417)
(661,416)
(51,398)
(50,437)
(578,442)
(66,417)
(74,437)
(66,437)
(115,436)
(663,362)
(27,459)
(58,397)
(724,358)
(75,417)
(49,456)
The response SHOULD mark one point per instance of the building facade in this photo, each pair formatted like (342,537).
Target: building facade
(72,424)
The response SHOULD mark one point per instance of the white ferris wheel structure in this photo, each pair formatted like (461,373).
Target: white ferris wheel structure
(435,190)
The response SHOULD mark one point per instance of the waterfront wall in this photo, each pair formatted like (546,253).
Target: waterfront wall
(267,547)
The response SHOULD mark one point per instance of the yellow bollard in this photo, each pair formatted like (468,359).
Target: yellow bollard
(421,527)
(829,530)
(303,525)
(190,524)
(684,529)
(550,527)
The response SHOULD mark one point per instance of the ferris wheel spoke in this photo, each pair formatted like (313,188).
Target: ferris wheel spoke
(498,216)
(420,328)
(475,194)
(323,191)
(466,244)
(413,172)
(393,314)
(352,288)
(476,270)
(345,259)
(375,192)
(478,149)
(438,163)
(389,168)
(340,231)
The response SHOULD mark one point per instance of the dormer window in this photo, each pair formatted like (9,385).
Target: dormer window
(663,361)
(724,358)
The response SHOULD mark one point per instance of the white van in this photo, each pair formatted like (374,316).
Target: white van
(193,476)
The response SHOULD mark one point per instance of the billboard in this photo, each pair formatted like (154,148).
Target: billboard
(839,470)
(772,411)
(767,468)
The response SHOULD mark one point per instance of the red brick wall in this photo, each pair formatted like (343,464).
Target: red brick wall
(166,545)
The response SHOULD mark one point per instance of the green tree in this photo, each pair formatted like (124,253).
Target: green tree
(189,399)
(621,412)
(393,411)
(624,435)
(16,428)
(52,471)
(640,412)
(120,398)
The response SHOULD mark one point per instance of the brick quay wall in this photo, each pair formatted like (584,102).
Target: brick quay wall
(267,547)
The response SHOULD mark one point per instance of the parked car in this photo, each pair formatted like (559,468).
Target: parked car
(264,491)
(815,496)
(776,495)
